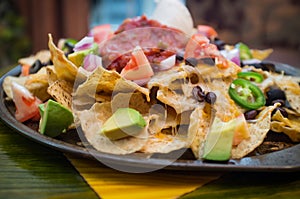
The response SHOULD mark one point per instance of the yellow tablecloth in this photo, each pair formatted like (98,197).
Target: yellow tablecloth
(111,184)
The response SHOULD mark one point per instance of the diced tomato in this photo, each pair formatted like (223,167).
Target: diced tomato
(25,70)
(200,39)
(138,66)
(102,33)
(194,45)
(131,64)
(26,104)
(207,31)
(199,47)
(241,131)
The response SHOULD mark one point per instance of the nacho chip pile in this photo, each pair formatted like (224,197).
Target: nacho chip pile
(176,118)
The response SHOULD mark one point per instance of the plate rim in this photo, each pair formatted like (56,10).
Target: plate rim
(261,163)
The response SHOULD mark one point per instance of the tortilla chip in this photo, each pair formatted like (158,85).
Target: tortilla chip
(163,79)
(27,60)
(289,126)
(163,137)
(258,132)
(43,55)
(213,72)
(37,84)
(61,91)
(184,118)
(231,71)
(179,102)
(8,82)
(102,97)
(136,101)
(172,85)
(291,89)
(295,78)
(225,108)
(292,112)
(51,74)
(261,54)
(162,117)
(210,82)
(91,123)
(198,129)
(104,83)
(164,143)
(166,134)
(64,68)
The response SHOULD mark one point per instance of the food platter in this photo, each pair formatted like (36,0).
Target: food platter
(280,161)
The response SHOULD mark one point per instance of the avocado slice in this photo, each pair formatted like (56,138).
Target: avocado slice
(123,123)
(55,118)
(42,109)
(218,144)
(78,56)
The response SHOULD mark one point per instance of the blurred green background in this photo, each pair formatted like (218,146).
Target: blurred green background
(14,43)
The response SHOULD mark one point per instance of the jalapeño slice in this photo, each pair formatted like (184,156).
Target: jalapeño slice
(245,52)
(246,94)
(251,76)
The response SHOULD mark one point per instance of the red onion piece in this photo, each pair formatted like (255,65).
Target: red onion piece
(91,62)
(232,55)
(83,44)
(236,60)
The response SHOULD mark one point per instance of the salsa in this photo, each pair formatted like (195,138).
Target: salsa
(158,42)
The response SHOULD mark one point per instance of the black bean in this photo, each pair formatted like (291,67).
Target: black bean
(250,115)
(208,61)
(210,97)
(191,61)
(69,47)
(282,111)
(219,43)
(36,66)
(198,94)
(275,94)
(179,56)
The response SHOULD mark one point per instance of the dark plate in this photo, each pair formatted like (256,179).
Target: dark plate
(280,161)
